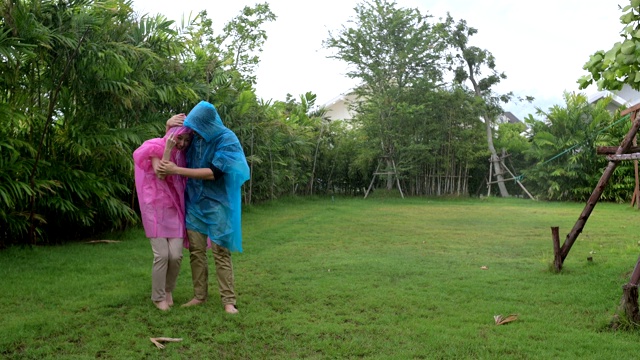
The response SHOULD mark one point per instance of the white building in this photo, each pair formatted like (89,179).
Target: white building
(626,96)
(338,107)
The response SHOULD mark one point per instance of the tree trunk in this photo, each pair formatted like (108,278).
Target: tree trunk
(389,174)
(315,160)
(250,192)
(495,160)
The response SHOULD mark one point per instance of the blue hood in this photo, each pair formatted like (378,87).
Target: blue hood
(204,120)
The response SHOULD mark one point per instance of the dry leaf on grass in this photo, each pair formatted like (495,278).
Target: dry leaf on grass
(503,320)
(157,341)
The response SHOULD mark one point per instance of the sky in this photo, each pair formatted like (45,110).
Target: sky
(540,45)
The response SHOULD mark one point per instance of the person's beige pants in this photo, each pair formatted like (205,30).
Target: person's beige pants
(167,257)
(200,268)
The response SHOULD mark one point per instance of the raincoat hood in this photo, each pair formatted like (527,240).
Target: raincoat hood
(178,130)
(204,120)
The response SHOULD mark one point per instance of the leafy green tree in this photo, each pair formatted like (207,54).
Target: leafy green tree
(563,145)
(389,49)
(244,37)
(472,63)
(621,64)
(78,86)
(442,143)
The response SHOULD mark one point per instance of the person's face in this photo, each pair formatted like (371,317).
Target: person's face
(183,141)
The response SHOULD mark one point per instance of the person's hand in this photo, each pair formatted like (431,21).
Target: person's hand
(170,143)
(166,168)
(176,120)
(166,156)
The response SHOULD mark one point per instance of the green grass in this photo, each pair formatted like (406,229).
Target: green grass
(380,278)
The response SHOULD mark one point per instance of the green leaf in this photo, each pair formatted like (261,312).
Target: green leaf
(611,54)
(627,18)
(585,81)
(628,47)
(628,29)
(629,59)
(594,60)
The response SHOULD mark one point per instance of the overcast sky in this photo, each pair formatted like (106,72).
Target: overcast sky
(540,45)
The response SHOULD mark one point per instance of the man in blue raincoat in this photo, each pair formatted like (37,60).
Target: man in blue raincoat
(216,169)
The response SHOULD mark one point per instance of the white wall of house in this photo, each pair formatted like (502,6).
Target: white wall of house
(624,97)
(630,95)
(338,107)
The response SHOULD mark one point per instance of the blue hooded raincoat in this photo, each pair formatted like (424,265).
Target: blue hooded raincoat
(213,207)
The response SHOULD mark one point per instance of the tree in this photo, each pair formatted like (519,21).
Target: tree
(563,148)
(511,137)
(473,62)
(244,38)
(621,64)
(616,67)
(389,50)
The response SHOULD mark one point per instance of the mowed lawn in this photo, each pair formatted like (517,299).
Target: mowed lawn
(343,278)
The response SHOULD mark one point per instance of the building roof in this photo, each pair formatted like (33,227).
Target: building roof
(512,119)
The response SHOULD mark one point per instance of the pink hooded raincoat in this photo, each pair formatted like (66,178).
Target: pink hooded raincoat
(161,201)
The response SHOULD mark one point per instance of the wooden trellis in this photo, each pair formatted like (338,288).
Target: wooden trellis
(388,172)
(626,151)
(513,176)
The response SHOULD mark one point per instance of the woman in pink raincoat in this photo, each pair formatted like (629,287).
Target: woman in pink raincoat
(162,209)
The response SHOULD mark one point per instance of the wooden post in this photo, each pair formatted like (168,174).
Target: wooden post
(490,175)
(375,173)
(633,111)
(395,171)
(557,258)
(595,195)
(635,276)
(630,302)
(636,191)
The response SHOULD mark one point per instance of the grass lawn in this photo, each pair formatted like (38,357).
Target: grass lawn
(343,278)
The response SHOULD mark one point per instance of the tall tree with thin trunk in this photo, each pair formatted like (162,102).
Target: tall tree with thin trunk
(472,64)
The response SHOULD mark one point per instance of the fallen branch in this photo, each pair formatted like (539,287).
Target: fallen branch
(503,320)
(159,345)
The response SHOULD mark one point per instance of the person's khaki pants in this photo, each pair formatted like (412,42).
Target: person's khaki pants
(200,268)
(167,257)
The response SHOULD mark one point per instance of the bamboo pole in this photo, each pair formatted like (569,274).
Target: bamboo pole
(517,181)
(372,180)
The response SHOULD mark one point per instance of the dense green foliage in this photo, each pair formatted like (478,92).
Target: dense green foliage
(379,278)
(619,65)
(85,82)
(406,110)
(564,151)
